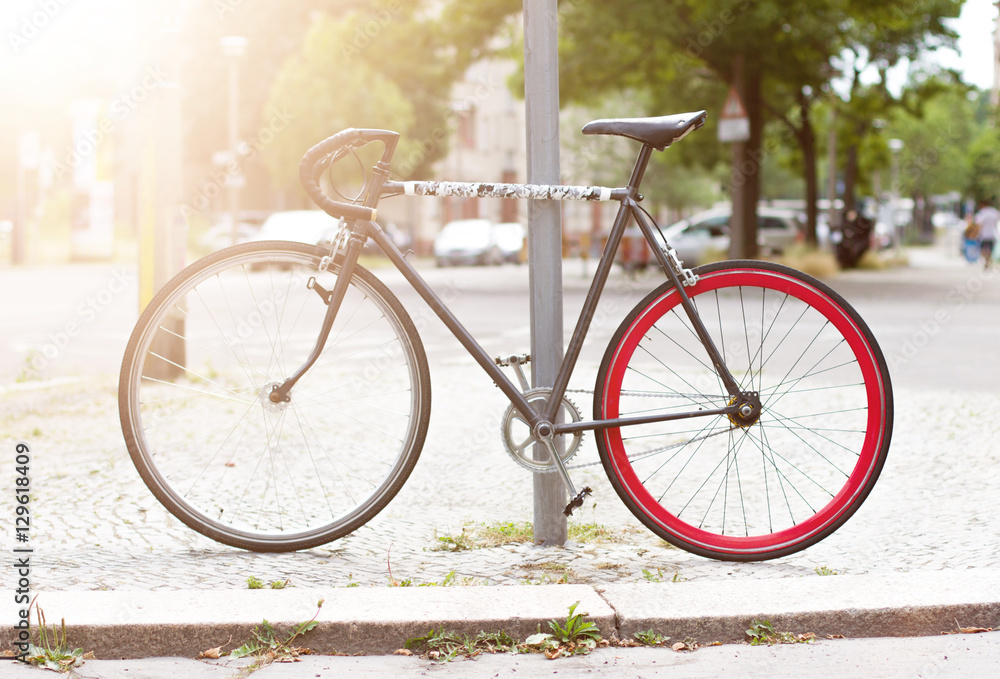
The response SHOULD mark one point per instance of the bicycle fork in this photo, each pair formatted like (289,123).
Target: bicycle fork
(332,299)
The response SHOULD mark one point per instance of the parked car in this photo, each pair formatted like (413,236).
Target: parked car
(706,234)
(467,241)
(510,239)
(220,234)
(304,226)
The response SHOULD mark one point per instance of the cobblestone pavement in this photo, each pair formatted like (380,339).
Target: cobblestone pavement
(96,526)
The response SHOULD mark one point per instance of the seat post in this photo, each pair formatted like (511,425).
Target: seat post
(639,170)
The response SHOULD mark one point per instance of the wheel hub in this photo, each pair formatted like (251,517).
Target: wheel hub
(268,401)
(748,409)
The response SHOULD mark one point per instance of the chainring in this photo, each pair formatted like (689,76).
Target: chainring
(514,426)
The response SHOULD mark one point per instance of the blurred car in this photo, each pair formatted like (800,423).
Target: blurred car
(220,234)
(400,238)
(303,226)
(467,241)
(706,234)
(946,220)
(509,237)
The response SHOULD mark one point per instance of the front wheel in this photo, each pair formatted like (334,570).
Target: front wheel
(218,453)
(730,489)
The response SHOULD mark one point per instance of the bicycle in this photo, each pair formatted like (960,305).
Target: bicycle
(275,396)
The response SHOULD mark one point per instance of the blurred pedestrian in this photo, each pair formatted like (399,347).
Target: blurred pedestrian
(986,219)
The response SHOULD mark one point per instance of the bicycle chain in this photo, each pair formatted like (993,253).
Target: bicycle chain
(637,394)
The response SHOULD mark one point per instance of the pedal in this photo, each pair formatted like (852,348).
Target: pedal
(512,360)
(517,362)
(577,501)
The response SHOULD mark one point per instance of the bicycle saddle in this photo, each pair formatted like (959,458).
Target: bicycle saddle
(659,132)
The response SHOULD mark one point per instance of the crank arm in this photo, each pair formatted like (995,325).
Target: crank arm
(576,497)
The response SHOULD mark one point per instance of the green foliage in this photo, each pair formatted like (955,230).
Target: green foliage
(763,632)
(253,582)
(443,646)
(823,570)
(652,577)
(575,636)
(266,644)
(650,638)
(500,533)
(54,652)
(984,165)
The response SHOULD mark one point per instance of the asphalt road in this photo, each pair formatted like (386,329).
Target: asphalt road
(936,319)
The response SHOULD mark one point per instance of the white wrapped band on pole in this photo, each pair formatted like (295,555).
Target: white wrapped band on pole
(522,191)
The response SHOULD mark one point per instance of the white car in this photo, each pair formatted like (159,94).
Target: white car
(467,241)
(706,234)
(510,239)
(305,226)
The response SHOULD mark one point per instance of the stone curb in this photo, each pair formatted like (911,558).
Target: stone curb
(137,624)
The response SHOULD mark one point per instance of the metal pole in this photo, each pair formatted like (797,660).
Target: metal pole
(541,93)
(234,47)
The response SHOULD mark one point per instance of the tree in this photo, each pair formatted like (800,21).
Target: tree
(686,47)
(391,64)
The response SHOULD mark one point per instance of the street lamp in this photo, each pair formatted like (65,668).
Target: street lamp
(234,47)
(896,145)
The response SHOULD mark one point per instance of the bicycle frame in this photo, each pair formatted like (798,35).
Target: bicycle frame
(359,231)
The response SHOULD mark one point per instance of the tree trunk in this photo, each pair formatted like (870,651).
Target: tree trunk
(747,157)
(807,141)
(850,178)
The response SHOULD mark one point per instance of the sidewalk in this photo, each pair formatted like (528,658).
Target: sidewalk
(379,620)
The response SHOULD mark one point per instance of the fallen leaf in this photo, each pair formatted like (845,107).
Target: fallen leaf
(679,646)
(403,651)
(835,636)
(7,653)
(808,636)
(553,653)
(212,653)
(89,655)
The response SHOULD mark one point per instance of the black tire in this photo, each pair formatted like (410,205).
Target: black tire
(746,491)
(234,466)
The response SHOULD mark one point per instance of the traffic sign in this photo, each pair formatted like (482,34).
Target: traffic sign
(734,123)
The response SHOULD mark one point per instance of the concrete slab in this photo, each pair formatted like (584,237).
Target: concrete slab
(902,604)
(351,620)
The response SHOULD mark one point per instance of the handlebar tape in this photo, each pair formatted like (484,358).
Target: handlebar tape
(348,137)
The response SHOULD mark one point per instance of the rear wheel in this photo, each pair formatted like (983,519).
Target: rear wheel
(214,449)
(769,486)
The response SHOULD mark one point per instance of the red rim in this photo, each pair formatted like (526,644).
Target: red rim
(857,481)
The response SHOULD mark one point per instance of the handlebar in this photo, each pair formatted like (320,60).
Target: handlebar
(316,158)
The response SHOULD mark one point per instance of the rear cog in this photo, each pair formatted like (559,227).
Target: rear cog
(518,440)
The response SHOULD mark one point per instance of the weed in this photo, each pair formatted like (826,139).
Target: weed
(457,543)
(500,533)
(823,570)
(279,584)
(608,566)
(763,632)
(678,577)
(266,647)
(649,638)
(253,582)
(592,532)
(653,577)
(26,372)
(53,652)
(574,637)
(444,646)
